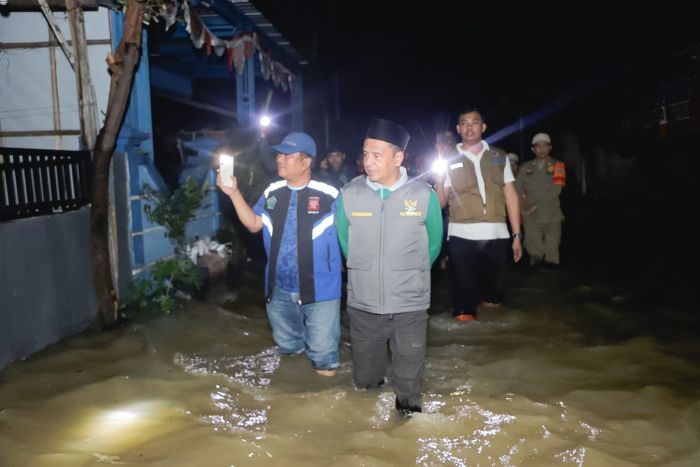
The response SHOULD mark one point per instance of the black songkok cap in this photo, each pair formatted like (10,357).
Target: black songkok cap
(386,130)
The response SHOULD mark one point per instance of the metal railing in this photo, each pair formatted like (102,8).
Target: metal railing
(36,182)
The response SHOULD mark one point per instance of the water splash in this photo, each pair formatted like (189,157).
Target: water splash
(235,417)
(251,371)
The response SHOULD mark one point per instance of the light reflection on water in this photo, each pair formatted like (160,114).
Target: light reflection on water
(234,418)
(251,370)
(572,377)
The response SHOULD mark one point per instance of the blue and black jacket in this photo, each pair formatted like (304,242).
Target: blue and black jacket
(318,252)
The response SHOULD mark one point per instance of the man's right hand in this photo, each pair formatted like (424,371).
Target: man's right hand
(529,209)
(228,190)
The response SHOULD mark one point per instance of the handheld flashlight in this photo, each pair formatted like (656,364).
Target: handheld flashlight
(439,166)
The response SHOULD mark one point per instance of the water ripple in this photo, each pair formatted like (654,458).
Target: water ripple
(250,370)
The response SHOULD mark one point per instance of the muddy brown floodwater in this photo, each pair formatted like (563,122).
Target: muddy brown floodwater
(570,371)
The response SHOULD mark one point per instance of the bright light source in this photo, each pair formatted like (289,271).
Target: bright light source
(117,429)
(120,416)
(439,166)
(265,121)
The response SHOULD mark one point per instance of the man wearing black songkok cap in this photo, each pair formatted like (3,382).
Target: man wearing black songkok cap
(390,230)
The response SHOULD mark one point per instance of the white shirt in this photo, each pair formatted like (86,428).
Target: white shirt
(478,230)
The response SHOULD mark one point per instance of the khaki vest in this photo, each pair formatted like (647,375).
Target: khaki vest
(464,199)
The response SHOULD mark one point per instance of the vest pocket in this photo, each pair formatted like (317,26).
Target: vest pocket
(361,262)
(406,281)
(363,289)
(406,262)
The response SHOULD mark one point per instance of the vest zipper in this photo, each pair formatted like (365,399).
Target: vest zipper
(381,250)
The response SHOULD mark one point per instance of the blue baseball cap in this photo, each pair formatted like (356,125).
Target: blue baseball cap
(296,141)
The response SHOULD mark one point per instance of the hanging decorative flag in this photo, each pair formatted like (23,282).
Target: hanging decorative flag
(238,50)
(229,58)
(239,56)
(265,65)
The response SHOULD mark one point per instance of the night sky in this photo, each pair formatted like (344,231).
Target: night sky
(420,64)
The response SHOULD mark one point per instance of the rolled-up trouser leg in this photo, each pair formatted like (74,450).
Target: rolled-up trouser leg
(322,333)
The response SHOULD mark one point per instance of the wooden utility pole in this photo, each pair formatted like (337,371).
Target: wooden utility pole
(122,65)
(87,102)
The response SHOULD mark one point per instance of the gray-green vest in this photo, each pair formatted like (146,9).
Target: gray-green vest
(464,200)
(388,260)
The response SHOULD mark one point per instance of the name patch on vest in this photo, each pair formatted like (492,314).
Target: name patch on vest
(361,214)
(410,207)
(456,165)
(313,205)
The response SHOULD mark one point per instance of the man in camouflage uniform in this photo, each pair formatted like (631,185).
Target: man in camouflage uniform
(540,182)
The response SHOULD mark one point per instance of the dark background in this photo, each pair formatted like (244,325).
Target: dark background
(590,74)
(419,63)
(573,69)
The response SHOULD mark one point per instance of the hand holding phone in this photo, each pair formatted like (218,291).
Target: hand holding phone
(226,169)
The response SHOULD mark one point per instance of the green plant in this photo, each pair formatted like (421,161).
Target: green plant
(173,210)
(167,278)
(159,290)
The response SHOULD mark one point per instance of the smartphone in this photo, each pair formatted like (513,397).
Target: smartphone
(226,168)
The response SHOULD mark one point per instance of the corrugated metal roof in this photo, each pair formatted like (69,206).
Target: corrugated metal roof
(266,27)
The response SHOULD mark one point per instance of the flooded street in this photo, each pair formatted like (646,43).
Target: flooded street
(570,371)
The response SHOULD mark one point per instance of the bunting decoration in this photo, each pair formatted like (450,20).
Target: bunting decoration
(238,49)
(265,65)
(169,14)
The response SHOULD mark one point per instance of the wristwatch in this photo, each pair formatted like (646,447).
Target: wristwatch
(516,235)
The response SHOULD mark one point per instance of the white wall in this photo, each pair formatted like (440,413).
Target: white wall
(25,78)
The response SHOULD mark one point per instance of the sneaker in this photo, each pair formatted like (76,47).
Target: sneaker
(328,373)
(464,317)
(406,410)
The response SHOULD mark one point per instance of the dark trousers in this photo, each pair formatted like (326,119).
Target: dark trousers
(477,272)
(405,335)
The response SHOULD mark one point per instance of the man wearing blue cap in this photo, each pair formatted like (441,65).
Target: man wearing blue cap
(390,230)
(303,271)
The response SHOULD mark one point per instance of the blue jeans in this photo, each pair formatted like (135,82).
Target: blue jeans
(314,327)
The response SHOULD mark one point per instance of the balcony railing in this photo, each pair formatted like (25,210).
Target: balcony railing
(36,182)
